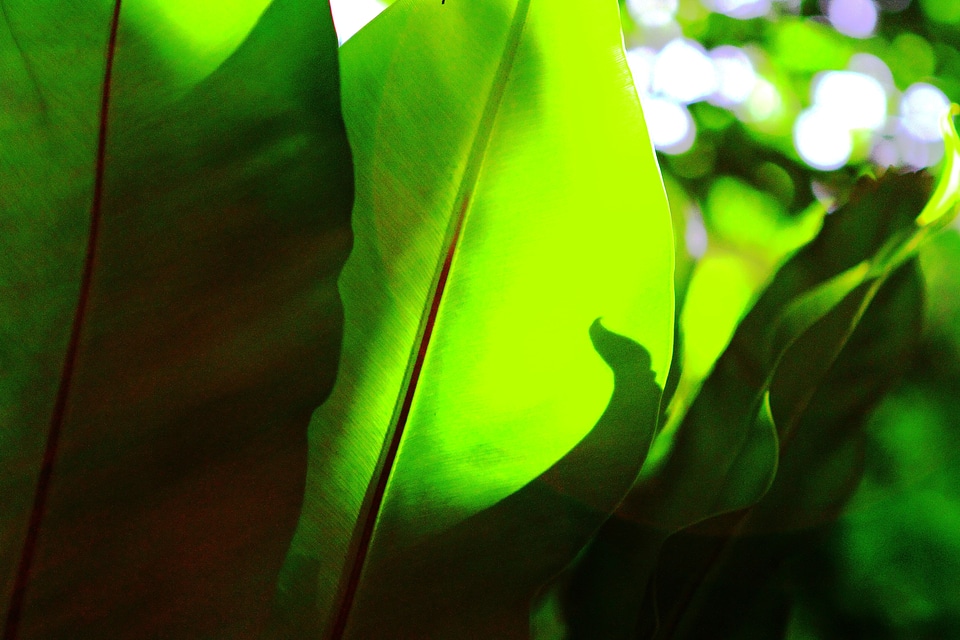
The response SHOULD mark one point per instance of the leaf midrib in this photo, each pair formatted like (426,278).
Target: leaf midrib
(58,415)
(373,501)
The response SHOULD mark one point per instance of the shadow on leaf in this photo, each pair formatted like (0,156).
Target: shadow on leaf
(477,579)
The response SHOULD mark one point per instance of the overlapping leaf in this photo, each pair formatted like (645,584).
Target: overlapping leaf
(173,217)
(507,198)
(721,458)
(821,461)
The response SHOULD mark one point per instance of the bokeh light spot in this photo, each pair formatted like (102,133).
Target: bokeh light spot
(640,61)
(921,107)
(856,100)
(736,76)
(652,13)
(695,234)
(764,102)
(870,65)
(670,124)
(741,9)
(821,141)
(684,72)
(855,18)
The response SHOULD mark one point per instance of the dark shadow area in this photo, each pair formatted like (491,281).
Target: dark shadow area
(212,332)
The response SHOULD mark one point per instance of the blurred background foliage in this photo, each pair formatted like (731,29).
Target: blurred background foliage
(761,109)
(764,113)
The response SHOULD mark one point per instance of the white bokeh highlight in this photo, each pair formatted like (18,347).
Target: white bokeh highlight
(640,61)
(652,13)
(856,100)
(741,9)
(736,76)
(670,124)
(684,72)
(870,65)
(821,140)
(921,108)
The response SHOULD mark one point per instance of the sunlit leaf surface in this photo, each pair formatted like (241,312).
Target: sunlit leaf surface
(507,198)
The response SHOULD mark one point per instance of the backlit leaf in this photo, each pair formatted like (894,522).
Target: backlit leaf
(480,431)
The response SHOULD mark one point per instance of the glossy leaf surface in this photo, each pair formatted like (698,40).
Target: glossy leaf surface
(174,215)
(480,430)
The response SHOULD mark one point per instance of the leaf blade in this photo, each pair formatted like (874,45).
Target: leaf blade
(212,325)
(511,343)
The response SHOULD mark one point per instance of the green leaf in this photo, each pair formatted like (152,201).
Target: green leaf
(825,385)
(726,281)
(507,197)
(791,340)
(833,280)
(821,462)
(175,213)
(722,455)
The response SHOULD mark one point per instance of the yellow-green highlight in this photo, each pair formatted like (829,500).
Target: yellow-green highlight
(566,222)
(195,37)
(947,193)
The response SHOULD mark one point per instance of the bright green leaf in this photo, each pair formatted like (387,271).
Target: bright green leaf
(507,198)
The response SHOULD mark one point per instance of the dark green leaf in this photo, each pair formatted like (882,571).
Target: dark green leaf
(820,466)
(176,187)
(719,458)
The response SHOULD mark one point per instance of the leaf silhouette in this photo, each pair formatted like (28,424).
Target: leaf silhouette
(507,196)
(169,246)
(820,466)
(862,334)
(718,458)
